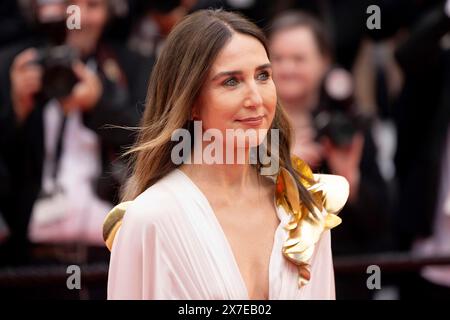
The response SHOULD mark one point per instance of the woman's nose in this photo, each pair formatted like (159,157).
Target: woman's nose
(253,98)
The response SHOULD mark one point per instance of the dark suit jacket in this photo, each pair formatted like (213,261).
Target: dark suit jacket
(422,116)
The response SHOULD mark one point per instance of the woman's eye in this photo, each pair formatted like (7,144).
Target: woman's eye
(263,76)
(231,82)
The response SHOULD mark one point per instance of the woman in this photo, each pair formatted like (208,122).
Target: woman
(301,55)
(215,231)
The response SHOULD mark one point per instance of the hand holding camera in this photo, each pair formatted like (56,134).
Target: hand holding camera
(86,92)
(70,81)
(53,70)
(345,160)
(340,128)
(26,81)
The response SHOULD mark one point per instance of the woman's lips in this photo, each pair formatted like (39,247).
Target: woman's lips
(252,121)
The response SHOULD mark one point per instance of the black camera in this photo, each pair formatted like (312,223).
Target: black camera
(55,58)
(58,77)
(336,117)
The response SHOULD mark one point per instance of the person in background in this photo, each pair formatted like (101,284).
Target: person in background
(156,19)
(13,25)
(422,115)
(61,92)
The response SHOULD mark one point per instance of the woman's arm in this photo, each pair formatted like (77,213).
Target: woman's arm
(137,268)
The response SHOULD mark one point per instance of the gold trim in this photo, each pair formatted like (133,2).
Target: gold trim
(112,223)
(305,227)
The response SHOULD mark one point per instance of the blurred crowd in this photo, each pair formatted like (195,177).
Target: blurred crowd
(370,104)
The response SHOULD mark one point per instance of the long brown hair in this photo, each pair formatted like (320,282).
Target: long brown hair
(177,78)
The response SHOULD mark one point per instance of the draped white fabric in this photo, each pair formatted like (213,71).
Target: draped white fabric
(171,246)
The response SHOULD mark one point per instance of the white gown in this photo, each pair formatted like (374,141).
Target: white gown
(171,246)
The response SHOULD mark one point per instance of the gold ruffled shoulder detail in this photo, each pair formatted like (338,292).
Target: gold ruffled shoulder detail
(112,223)
(329,192)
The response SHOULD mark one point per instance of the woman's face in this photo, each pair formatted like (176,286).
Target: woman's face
(239,92)
(298,65)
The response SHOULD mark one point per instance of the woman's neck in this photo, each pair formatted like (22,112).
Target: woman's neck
(238,175)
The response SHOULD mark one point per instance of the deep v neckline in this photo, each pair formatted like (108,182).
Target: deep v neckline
(226,242)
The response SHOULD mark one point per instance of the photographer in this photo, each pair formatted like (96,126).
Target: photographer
(60,92)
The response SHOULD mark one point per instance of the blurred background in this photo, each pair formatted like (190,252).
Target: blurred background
(367,90)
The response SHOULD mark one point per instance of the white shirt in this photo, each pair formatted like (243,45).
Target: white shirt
(77,214)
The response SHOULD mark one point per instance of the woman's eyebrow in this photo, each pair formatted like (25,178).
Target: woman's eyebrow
(264,66)
(238,72)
